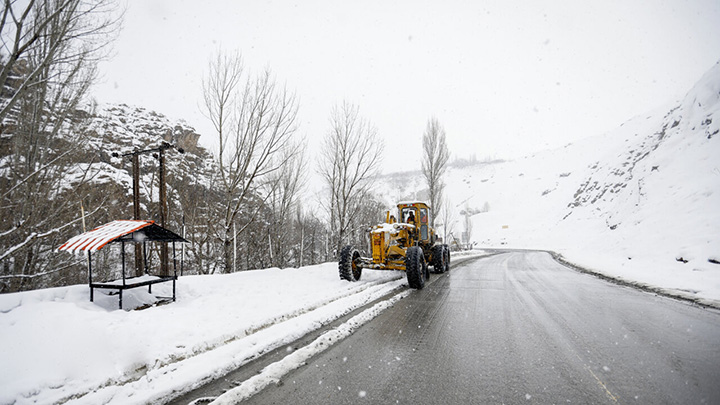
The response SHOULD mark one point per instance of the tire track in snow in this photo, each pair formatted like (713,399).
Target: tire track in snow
(296,313)
(273,373)
(177,375)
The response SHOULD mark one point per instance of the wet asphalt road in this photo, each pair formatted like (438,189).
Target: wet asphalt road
(518,328)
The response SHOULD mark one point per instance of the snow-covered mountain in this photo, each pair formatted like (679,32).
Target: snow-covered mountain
(639,203)
(121,129)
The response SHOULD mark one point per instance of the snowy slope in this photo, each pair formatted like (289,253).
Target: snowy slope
(639,203)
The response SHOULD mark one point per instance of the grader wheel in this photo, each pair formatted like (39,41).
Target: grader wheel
(415,267)
(347,265)
(446,254)
(438,259)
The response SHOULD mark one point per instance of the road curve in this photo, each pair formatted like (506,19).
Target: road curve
(518,328)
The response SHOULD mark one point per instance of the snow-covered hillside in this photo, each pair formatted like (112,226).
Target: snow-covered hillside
(639,203)
(122,129)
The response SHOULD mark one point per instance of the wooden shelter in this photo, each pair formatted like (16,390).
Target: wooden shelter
(122,232)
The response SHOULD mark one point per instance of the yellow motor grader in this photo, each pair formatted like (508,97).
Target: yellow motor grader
(406,243)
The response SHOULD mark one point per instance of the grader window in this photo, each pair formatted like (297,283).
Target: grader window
(424,223)
(408,215)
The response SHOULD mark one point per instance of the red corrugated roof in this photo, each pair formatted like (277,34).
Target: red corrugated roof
(102,235)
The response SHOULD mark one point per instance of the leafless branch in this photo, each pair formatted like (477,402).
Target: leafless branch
(434,162)
(253,123)
(350,157)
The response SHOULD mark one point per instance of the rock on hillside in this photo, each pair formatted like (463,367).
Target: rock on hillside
(121,129)
(134,126)
(663,183)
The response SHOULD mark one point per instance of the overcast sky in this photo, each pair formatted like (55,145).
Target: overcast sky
(505,78)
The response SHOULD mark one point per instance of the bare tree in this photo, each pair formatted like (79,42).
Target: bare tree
(311,232)
(369,212)
(283,195)
(448,219)
(434,163)
(195,202)
(350,157)
(52,46)
(468,225)
(49,52)
(253,120)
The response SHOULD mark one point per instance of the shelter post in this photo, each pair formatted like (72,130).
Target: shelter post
(90,283)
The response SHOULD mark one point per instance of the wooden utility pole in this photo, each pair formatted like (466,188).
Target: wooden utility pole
(135,157)
(164,271)
(139,262)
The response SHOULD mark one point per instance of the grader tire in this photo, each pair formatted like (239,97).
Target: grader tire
(446,252)
(349,270)
(438,258)
(415,267)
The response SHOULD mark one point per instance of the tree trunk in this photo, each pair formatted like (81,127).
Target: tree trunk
(227,254)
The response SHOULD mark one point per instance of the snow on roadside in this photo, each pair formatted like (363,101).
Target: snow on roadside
(57,346)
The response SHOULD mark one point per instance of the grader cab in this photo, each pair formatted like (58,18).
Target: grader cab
(405,242)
